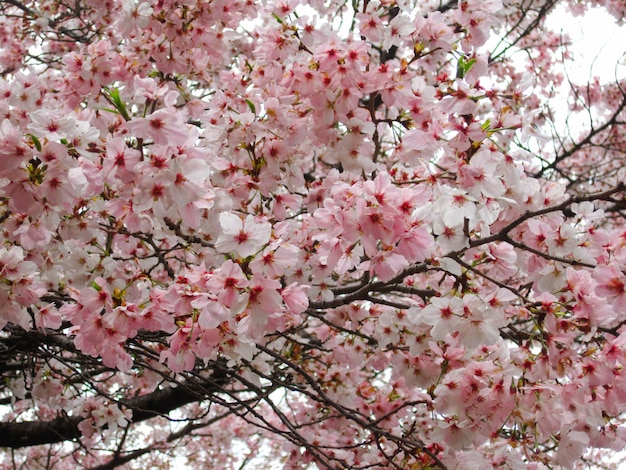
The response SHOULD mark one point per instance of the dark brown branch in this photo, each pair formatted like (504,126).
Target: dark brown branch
(19,5)
(502,235)
(588,140)
(120,459)
(144,407)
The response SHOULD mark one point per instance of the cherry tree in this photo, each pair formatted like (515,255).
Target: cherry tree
(322,234)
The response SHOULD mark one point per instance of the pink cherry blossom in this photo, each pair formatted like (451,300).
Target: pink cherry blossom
(611,284)
(323,234)
(228,283)
(245,237)
(163,127)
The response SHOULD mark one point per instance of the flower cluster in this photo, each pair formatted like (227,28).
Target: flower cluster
(332,234)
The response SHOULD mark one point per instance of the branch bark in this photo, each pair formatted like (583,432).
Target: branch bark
(144,407)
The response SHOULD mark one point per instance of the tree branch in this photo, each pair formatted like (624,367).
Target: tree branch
(144,407)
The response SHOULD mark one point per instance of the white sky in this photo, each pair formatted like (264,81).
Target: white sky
(600,41)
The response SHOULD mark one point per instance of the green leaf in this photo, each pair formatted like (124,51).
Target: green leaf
(463,66)
(114,98)
(108,110)
(36,142)
(251,106)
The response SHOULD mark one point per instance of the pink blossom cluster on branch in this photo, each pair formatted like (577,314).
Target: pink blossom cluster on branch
(311,234)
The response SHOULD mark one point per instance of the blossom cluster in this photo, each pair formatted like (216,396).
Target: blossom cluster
(236,201)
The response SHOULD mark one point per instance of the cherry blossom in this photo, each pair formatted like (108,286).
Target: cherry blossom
(326,235)
(246,237)
(163,127)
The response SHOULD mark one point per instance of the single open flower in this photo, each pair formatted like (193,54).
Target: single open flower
(245,237)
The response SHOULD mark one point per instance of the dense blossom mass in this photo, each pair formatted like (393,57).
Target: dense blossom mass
(322,234)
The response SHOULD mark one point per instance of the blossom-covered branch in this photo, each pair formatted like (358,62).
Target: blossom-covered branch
(311,234)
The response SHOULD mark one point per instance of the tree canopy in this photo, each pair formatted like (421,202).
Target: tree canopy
(323,234)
